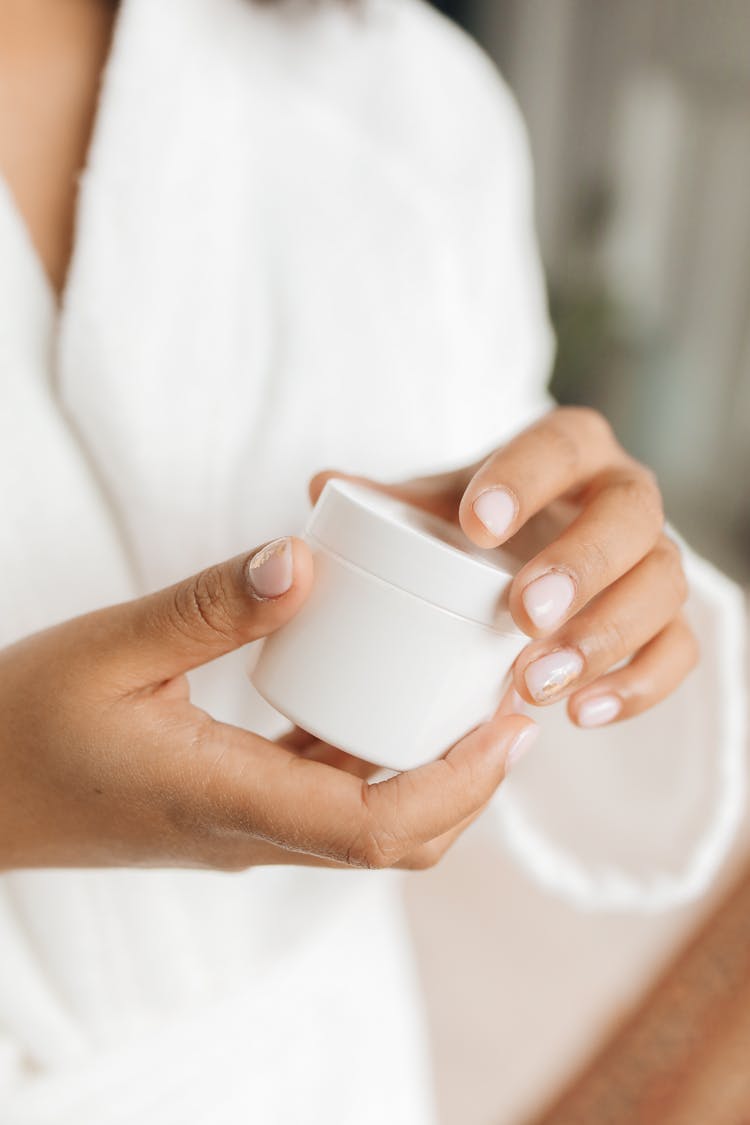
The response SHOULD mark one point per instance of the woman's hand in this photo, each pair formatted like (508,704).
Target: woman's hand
(105,761)
(609,588)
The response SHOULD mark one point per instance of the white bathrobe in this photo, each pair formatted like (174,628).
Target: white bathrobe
(304,239)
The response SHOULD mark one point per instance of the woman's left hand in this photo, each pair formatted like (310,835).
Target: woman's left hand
(608,589)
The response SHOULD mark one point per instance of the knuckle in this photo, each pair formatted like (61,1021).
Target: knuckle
(637,489)
(372,850)
(670,557)
(203,603)
(613,641)
(588,422)
(562,439)
(462,779)
(639,492)
(594,560)
(650,498)
(652,481)
(630,490)
(372,846)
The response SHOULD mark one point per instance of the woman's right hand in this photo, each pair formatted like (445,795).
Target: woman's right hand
(105,761)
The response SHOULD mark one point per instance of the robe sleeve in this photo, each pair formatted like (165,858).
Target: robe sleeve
(641,814)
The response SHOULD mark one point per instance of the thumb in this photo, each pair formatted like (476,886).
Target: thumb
(439,493)
(401,490)
(213,612)
(319,481)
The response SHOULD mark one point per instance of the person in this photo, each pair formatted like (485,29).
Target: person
(302,243)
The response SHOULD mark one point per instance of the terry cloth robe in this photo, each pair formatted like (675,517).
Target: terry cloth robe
(304,238)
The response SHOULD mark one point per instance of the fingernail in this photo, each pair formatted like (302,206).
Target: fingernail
(598,711)
(270,570)
(547,599)
(523,742)
(548,675)
(496,509)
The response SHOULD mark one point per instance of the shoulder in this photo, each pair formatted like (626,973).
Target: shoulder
(405,79)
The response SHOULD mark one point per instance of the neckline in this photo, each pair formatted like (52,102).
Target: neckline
(57,302)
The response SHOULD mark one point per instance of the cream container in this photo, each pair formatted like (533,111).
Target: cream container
(405,640)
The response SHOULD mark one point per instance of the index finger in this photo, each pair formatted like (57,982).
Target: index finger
(266,791)
(564,449)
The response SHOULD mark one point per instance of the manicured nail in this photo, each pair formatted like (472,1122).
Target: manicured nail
(547,599)
(523,742)
(598,711)
(270,570)
(496,509)
(548,675)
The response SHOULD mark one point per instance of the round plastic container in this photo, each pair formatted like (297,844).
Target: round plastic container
(405,640)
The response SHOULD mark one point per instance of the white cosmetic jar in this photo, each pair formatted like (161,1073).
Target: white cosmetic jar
(404,642)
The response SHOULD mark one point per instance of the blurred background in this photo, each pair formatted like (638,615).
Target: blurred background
(639,118)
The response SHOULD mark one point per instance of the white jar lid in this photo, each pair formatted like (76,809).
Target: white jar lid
(416,551)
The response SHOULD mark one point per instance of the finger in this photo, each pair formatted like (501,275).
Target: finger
(428,855)
(319,751)
(610,629)
(439,494)
(511,702)
(261,789)
(653,673)
(562,451)
(222,856)
(621,522)
(315,749)
(295,739)
(271,855)
(223,607)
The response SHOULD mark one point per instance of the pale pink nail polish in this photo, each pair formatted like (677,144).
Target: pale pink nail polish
(496,509)
(547,676)
(523,742)
(270,570)
(547,599)
(599,710)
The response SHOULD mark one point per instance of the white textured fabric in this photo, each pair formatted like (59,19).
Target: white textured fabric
(642,816)
(304,239)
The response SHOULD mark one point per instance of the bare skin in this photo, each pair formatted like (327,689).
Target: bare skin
(51,57)
(106,761)
(624,575)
